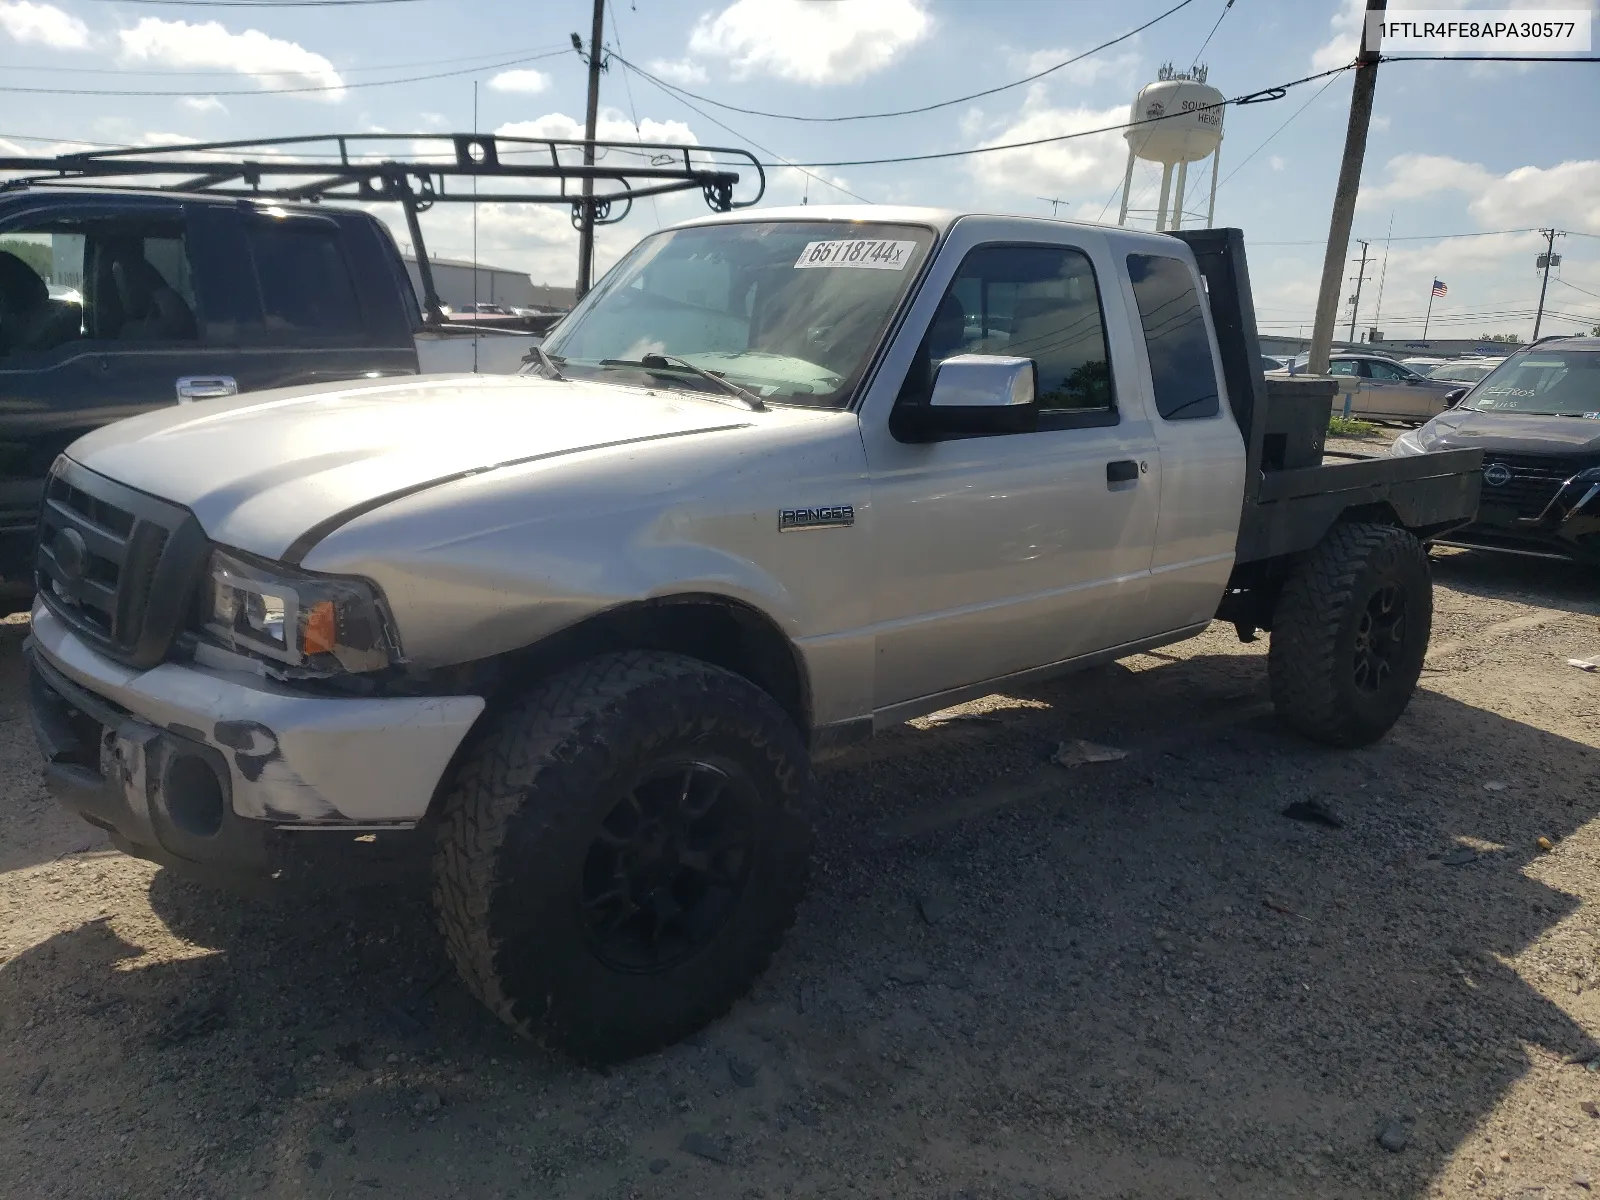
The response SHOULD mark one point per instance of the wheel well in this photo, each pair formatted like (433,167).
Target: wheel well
(714,629)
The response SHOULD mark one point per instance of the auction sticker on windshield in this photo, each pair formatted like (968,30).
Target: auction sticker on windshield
(873,253)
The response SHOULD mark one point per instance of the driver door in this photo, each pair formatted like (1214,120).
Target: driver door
(997,554)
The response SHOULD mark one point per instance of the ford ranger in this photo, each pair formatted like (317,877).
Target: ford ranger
(783,478)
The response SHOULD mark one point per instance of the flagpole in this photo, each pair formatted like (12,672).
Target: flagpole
(1429,317)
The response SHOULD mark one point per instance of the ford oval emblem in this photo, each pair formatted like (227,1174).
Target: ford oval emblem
(1497,474)
(71,554)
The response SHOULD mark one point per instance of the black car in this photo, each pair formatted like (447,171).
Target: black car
(1536,417)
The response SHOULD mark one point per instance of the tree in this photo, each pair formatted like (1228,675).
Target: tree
(1509,339)
(35,254)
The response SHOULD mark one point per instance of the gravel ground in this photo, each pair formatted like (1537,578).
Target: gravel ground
(1012,979)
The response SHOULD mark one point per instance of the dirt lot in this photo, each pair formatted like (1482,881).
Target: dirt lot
(1013,979)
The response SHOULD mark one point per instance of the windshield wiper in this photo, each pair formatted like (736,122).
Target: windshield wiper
(662,362)
(547,365)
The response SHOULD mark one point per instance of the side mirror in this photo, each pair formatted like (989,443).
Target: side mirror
(976,394)
(1454,399)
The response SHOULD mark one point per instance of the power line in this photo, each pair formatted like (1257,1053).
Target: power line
(1415,237)
(1275,92)
(1213,32)
(728,128)
(1275,133)
(325,87)
(1576,288)
(633,111)
(265,3)
(430,62)
(906,112)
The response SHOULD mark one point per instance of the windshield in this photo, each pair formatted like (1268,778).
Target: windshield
(788,310)
(1549,383)
(1461,372)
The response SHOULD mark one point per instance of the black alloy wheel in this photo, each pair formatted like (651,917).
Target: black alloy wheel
(1380,638)
(667,865)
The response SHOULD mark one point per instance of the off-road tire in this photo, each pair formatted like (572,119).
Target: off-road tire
(1311,664)
(526,804)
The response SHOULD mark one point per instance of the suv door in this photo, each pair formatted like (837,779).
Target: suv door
(288,308)
(998,554)
(99,317)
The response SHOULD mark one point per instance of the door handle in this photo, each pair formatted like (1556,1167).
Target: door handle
(1124,470)
(206,387)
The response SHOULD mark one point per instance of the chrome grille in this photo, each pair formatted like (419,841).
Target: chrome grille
(117,565)
(1534,482)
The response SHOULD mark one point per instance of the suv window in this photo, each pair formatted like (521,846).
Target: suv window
(306,286)
(1182,371)
(117,279)
(1038,302)
(1344,366)
(1382,370)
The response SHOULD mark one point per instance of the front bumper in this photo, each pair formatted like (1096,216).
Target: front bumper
(1569,527)
(186,765)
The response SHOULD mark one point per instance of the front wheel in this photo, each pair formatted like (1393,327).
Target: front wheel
(624,851)
(1349,634)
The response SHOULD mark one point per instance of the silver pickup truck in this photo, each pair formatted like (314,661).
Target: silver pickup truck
(782,479)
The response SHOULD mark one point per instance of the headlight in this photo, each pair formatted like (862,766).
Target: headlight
(318,624)
(1407,443)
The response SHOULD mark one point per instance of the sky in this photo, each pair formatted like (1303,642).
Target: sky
(1490,151)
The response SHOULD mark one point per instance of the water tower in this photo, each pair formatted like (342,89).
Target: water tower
(1176,121)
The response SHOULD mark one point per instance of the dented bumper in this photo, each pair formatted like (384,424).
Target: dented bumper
(182,762)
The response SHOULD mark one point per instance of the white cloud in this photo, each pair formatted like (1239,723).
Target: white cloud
(833,42)
(203,104)
(1562,195)
(1082,168)
(1276,163)
(1341,48)
(526,81)
(42,25)
(682,70)
(271,62)
(1117,68)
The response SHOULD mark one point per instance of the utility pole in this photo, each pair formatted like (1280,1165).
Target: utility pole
(1355,301)
(1344,197)
(592,115)
(1546,260)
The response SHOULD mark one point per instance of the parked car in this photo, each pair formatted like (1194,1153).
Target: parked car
(1536,417)
(187,298)
(1387,390)
(588,630)
(1464,370)
(1269,363)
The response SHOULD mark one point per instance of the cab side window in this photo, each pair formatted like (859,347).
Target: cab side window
(121,279)
(1183,374)
(1038,302)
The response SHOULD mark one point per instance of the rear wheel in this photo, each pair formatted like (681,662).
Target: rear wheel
(624,851)
(1349,634)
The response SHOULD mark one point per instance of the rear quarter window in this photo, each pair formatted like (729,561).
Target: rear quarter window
(1182,371)
(306,286)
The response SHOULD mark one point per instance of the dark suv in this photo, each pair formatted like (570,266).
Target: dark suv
(1536,417)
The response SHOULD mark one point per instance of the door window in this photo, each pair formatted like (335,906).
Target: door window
(306,288)
(1343,367)
(1387,372)
(114,279)
(1182,371)
(1038,302)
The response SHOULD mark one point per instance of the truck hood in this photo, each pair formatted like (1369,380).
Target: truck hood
(1511,433)
(263,470)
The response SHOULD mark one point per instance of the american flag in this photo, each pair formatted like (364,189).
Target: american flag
(1439,288)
